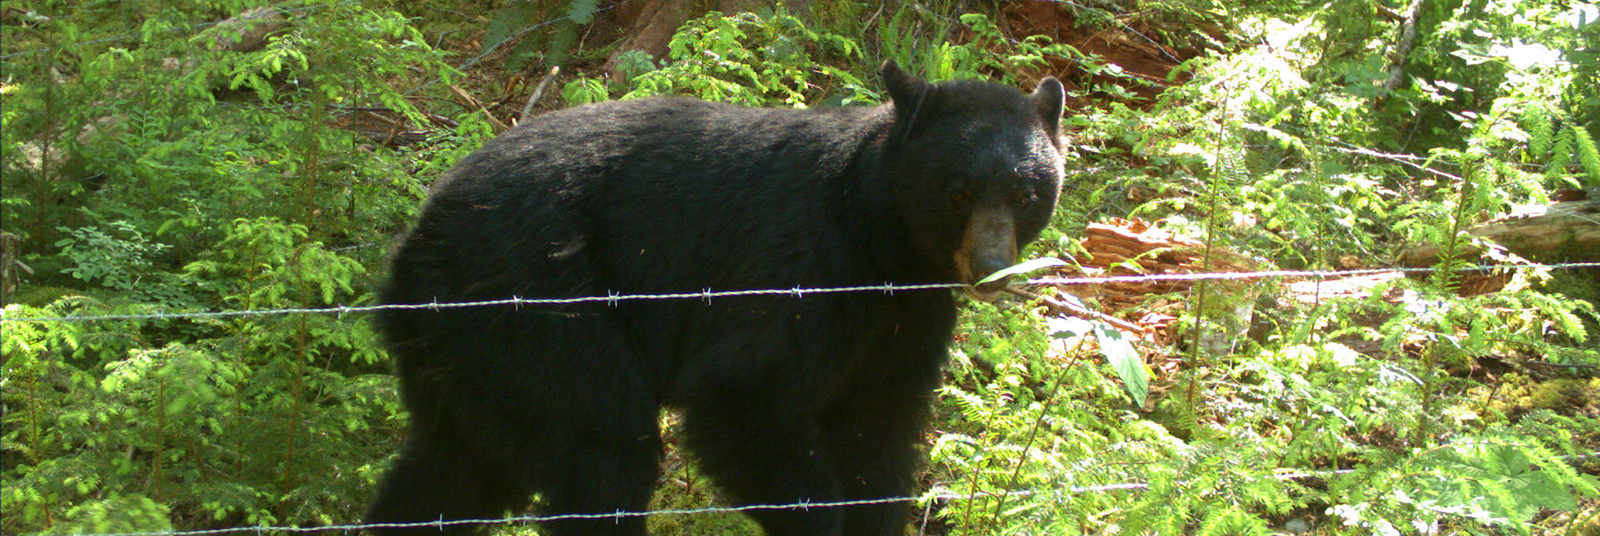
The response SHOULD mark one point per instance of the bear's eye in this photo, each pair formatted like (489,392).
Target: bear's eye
(1026,198)
(960,198)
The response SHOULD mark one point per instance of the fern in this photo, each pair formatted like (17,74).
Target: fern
(559,47)
(1536,120)
(509,23)
(1560,156)
(751,59)
(1229,522)
(1587,154)
(1561,144)
(1498,479)
(582,11)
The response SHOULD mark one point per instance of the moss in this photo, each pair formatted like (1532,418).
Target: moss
(1520,394)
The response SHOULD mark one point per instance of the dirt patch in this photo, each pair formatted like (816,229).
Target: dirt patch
(1124,43)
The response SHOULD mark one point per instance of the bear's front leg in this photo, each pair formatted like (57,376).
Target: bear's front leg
(874,429)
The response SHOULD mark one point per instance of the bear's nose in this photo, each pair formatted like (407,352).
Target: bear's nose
(983,267)
(990,245)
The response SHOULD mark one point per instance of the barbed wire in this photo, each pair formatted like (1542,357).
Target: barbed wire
(801,505)
(707,295)
(613,298)
(1332,143)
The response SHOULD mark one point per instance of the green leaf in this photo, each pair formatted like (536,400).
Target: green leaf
(1029,266)
(1125,361)
(1069,327)
(582,11)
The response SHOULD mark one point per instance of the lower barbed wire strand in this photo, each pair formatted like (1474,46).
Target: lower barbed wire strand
(932,495)
(1072,490)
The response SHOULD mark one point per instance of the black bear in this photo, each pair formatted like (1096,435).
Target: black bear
(784,399)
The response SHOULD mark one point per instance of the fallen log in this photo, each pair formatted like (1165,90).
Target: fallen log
(248,30)
(1150,309)
(1558,232)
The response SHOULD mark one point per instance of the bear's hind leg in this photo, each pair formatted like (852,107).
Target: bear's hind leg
(603,464)
(605,480)
(763,457)
(873,437)
(875,433)
(442,480)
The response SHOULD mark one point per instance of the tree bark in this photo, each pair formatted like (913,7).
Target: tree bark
(1408,40)
(651,23)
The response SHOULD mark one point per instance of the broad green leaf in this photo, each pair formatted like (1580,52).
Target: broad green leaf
(1069,327)
(1025,267)
(1125,361)
(1072,301)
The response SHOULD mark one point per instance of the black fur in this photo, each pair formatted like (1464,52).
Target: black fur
(784,399)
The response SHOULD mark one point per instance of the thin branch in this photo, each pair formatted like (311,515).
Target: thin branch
(1408,40)
(1074,310)
(479,105)
(538,91)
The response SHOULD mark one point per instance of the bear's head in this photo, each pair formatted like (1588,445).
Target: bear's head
(976,167)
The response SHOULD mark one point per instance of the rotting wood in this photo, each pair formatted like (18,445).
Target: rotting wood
(248,30)
(1559,232)
(1135,247)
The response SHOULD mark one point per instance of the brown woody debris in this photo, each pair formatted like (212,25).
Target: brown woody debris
(1124,247)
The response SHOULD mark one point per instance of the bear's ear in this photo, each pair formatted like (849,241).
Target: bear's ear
(908,94)
(904,88)
(1048,99)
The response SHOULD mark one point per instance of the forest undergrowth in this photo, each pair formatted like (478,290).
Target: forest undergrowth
(239,155)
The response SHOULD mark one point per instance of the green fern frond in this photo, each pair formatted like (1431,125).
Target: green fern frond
(1562,471)
(1536,121)
(1560,155)
(582,11)
(1232,521)
(1587,154)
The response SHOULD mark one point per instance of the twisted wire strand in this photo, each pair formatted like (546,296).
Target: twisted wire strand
(797,292)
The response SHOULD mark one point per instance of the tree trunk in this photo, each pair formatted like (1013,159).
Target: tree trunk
(650,24)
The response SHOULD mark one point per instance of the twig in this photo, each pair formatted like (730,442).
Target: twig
(874,17)
(441,120)
(1561,365)
(479,105)
(394,126)
(988,369)
(1079,311)
(538,91)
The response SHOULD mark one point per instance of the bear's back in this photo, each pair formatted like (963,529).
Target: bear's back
(665,146)
(661,194)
